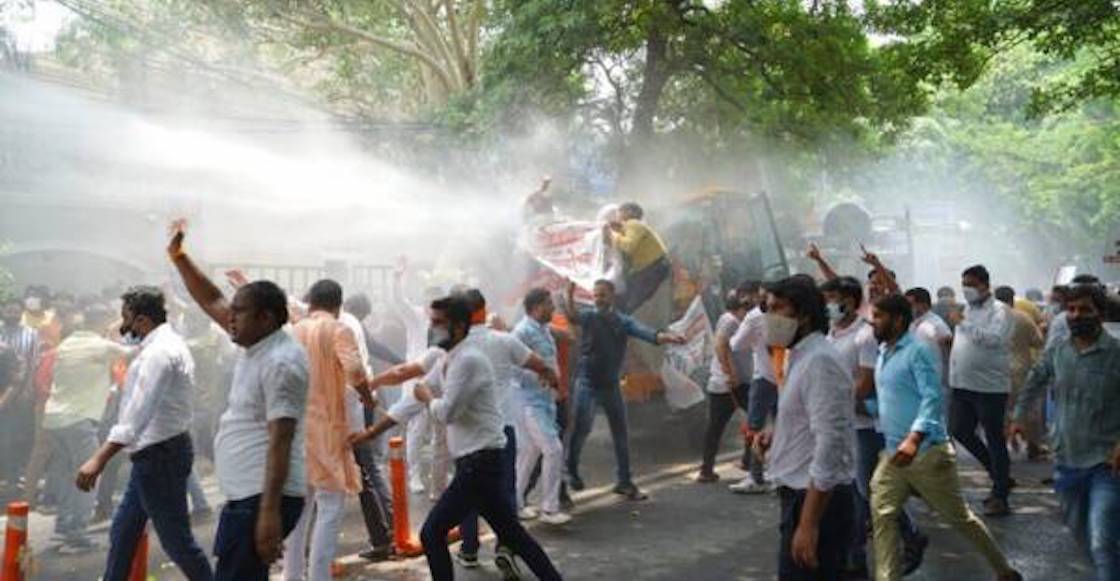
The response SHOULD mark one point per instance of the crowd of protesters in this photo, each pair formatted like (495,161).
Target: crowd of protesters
(853,393)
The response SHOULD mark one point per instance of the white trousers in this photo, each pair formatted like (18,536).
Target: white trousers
(534,440)
(327,506)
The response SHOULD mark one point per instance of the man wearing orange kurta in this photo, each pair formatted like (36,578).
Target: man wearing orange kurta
(335,363)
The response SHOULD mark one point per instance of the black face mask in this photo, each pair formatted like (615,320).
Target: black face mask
(1084,327)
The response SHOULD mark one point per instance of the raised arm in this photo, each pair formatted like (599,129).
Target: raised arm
(204,292)
(815,255)
(882,275)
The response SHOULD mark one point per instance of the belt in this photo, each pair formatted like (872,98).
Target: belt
(159,447)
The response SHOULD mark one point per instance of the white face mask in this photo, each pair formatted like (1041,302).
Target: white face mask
(835,312)
(780,329)
(439,336)
(971,295)
(33,304)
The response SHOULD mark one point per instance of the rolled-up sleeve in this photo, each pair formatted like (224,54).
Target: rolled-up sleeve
(154,377)
(830,421)
(926,375)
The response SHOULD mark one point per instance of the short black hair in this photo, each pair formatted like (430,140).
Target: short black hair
(807,300)
(1085,279)
(871,274)
(632,208)
(920,295)
(897,306)
(606,283)
(749,287)
(535,298)
(1034,294)
(474,299)
(979,273)
(1093,291)
(846,286)
(267,296)
(325,294)
(358,303)
(1005,295)
(457,309)
(146,300)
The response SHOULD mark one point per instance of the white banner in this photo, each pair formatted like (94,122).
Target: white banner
(686,366)
(572,250)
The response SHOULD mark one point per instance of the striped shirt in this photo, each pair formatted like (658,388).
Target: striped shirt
(25,341)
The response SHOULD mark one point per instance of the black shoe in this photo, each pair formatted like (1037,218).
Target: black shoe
(630,491)
(913,554)
(467,560)
(707,476)
(996,507)
(378,554)
(505,561)
(566,502)
(576,483)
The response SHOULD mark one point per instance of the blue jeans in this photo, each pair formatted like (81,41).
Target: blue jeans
(869,445)
(1090,499)
(608,397)
(469,527)
(478,486)
(235,544)
(157,489)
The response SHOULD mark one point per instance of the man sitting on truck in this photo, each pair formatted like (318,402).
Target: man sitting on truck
(647,263)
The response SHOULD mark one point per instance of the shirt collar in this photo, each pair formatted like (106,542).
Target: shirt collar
(906,339)
(1104,341)
(156,333)
(265,342)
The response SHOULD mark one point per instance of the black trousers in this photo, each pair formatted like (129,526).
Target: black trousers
(833,542)
(967,409)
(479,484)
(721,406)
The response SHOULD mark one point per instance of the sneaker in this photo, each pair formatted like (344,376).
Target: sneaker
(467,560)
(555,518)
(576,483)
(378,554)
(996,507)
(630,491)
(528,513)
(706,477)
(913,553)
(416,484)
(506,562)
(749,486)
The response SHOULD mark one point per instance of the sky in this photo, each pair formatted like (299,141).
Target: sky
(35,26)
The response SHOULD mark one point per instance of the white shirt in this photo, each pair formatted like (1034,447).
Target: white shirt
(408,406)
(355,410)
(158,392)
(506,354)
(980,360)
(813,437)
(751,336)
(270,381)
(858,349)
(932,330)
(469,406)
(726,327)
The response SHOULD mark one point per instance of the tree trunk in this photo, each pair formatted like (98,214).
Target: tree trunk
(655,75)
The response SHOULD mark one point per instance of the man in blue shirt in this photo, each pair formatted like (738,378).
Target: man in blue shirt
(602,346)
(919,457)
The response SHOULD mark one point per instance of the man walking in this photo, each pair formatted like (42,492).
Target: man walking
(980,378)
(919,458)
(154,429)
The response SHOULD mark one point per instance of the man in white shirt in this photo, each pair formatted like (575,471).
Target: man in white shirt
(259,448)
(811,455)
(154,429)
(726,390)
(762,401)
(980,377)
(930,328)
(471,410)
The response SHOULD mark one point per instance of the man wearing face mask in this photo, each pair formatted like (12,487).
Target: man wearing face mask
(762,401)
(471,410)
(980,378)
(811,456)
(1084,370)
(605,334)
(919,457)
(154,428)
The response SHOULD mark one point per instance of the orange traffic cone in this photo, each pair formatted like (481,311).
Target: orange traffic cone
(139,570)
(17,556)
(407,545)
